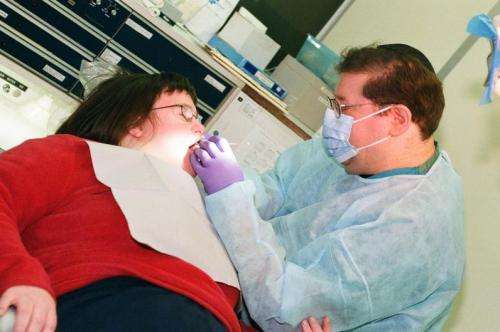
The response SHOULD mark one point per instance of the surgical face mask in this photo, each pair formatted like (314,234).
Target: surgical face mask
(336,133)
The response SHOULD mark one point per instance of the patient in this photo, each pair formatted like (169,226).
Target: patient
(67,232)
(65,235)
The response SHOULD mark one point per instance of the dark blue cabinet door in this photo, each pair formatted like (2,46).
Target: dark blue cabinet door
(164,55)
(106,17)
(122,60)
(63,24)
(24,55)
(41,37)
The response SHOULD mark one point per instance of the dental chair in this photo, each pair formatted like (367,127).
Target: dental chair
(7,321)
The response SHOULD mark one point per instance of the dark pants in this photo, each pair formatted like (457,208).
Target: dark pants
(131,304)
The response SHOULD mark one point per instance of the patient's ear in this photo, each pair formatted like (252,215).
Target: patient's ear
(139,133)
(136,132)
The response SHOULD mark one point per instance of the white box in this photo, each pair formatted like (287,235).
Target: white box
(236,31)
(249,40)
(259,49)
(307,97)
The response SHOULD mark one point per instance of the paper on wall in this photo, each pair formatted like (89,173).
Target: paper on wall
(258,137)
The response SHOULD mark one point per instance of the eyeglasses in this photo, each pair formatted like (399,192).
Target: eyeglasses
(339,108)
(188,113)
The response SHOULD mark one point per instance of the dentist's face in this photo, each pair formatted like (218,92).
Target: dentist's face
(349,91)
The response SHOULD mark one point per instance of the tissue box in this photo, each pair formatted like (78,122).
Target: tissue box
(248,40)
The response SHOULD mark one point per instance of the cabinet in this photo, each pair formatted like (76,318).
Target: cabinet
(51,38)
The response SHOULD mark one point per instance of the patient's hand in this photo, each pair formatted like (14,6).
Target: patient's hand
(35,308)
(311,325)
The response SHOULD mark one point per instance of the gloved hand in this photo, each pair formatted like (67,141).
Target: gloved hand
(215,164)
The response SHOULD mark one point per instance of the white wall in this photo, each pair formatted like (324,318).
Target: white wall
(435,27)
(470,133)
(472,137)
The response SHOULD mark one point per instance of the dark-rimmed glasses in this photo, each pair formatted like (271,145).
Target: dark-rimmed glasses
(187,112)
(339,108)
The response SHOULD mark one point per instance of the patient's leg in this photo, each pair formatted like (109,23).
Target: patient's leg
(130,304)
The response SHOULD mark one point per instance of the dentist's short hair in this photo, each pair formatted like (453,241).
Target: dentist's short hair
(400,74)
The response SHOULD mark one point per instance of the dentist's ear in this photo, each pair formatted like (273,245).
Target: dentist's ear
(400,119)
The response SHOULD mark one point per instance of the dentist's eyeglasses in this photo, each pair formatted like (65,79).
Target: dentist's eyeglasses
(188,113)
(339,108)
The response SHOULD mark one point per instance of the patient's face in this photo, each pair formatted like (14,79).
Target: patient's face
(168,135)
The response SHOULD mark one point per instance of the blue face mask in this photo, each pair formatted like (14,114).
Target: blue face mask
(336,133)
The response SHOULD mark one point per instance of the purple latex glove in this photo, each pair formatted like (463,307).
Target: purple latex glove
(215,164)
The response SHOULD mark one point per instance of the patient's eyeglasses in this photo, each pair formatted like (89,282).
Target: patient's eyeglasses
(339,108)
(188,113)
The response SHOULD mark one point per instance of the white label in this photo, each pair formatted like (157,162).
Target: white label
(110,56)
(264,79)
(3,14)
(216,84)
(139,28)
(54,73)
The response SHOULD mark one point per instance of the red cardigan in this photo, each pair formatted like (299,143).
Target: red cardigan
(61,229)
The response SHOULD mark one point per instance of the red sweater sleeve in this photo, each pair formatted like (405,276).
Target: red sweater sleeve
(30,187)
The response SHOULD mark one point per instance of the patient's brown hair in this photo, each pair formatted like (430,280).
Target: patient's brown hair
(120,103)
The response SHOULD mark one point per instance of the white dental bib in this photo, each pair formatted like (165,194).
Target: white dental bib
(163,208)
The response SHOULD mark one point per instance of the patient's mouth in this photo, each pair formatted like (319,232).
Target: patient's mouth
(194,146)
